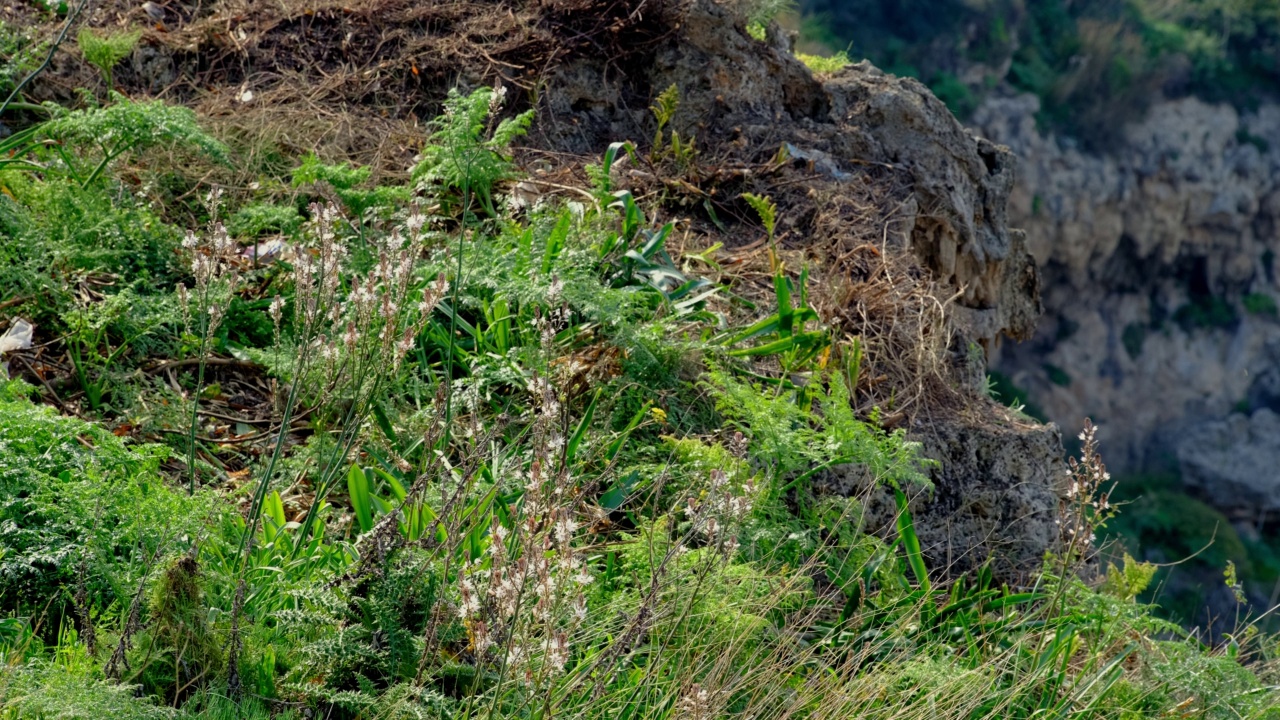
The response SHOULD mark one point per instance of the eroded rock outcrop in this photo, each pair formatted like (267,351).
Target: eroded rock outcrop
(998,479)
(1158,264)
(755,97)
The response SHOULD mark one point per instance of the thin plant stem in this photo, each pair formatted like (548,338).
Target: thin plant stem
(107,157)
(71,19)
(260,493)
(195,410)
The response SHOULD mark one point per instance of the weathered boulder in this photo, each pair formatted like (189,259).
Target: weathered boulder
(755,97)
(996,495)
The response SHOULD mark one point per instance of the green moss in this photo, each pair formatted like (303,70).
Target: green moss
(1260,304)
(178,653)
(1133,337)
(1057,375)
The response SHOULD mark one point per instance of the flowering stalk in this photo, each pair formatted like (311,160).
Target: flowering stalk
(522,602)
(1087,505)
(365,338)
(316,275)
(215,280)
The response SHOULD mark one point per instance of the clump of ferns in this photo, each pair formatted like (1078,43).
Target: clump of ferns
(468,152)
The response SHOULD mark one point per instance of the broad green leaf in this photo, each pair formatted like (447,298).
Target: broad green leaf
(571,449)
(361,501)
(910,541)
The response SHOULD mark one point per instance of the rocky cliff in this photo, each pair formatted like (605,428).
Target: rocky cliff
(1159,285)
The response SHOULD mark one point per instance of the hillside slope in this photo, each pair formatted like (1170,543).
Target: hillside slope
(577,358)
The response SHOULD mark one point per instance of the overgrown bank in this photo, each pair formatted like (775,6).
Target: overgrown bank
(502,441)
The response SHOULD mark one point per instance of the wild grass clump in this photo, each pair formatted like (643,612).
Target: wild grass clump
(825,64)
(510,459)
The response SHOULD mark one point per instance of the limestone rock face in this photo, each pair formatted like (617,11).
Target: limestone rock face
(1158,271)
(961,185)
(997,493)
(1233,460)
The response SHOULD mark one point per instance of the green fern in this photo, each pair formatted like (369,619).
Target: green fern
(105,51)
(790,438)
(1130,580)
(467,155)
(123,127)
(347,183)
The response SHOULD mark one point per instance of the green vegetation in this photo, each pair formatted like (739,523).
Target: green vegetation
(1091,62)
(434,453)
(1161,523)
(21,52)
(1133,338)
(759,13)
(106,51)
(825,65)
(1002,389)
(1206,312)
(1260,304)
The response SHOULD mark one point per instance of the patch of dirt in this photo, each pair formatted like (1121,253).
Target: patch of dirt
(355,77)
